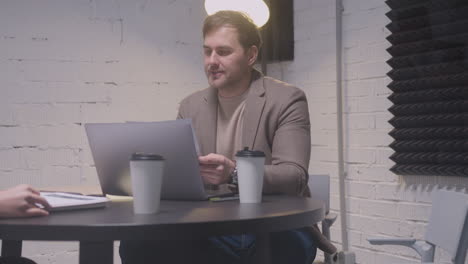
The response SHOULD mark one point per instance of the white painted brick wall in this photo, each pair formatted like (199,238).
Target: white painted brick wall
(379,203)
(66,63)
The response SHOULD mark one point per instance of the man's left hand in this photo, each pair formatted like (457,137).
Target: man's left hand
(215,168)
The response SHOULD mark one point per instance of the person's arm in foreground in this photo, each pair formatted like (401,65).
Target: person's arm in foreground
(22,201)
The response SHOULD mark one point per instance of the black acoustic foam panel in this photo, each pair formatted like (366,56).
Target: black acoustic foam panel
(430,86)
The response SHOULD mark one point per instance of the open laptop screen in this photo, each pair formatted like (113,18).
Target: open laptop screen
(113,143)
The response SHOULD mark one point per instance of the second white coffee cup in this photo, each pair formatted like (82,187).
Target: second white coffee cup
(147,171)
(250,169)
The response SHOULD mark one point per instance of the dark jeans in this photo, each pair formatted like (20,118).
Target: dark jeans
(287,247)
(16,260)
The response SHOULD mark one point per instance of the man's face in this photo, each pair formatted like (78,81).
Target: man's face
(227,63)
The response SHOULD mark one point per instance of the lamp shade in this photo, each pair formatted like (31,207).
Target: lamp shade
(257,10)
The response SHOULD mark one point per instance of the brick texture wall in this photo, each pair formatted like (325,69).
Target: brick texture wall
(379,203)
(66,63)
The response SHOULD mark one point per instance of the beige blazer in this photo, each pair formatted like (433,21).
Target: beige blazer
(276,121)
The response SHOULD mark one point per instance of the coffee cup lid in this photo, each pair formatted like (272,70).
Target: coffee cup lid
(146,156)
(249,153)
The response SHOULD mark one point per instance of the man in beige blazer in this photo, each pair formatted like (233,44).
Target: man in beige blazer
(275,121)
(255,111)
(243,108)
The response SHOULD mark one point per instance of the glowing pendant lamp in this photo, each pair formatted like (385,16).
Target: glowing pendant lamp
(256,9)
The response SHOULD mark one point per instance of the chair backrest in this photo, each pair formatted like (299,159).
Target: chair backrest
(319,186)
(463,246)
(448,223)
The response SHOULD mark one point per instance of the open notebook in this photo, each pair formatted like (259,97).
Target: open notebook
(67,201)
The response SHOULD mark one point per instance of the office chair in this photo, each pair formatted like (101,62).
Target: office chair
(447,229)
(319,186)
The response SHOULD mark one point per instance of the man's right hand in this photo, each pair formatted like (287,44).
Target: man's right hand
(215,168)
(22,201)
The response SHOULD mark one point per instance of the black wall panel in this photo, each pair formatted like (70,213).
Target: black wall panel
(430,86)
(278,33)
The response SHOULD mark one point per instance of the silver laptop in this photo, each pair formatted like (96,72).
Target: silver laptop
(113,143)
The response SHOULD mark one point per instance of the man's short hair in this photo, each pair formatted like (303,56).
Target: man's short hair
(249,35)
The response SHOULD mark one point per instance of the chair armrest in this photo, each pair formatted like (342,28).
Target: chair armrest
(408,242)
(330,218)
(424,249)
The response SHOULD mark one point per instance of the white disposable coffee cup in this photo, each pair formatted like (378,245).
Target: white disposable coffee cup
(147,172)
(250,169)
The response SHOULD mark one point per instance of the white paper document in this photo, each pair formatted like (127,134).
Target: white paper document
(67,201)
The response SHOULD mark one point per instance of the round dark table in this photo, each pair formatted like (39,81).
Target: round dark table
(96,229)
